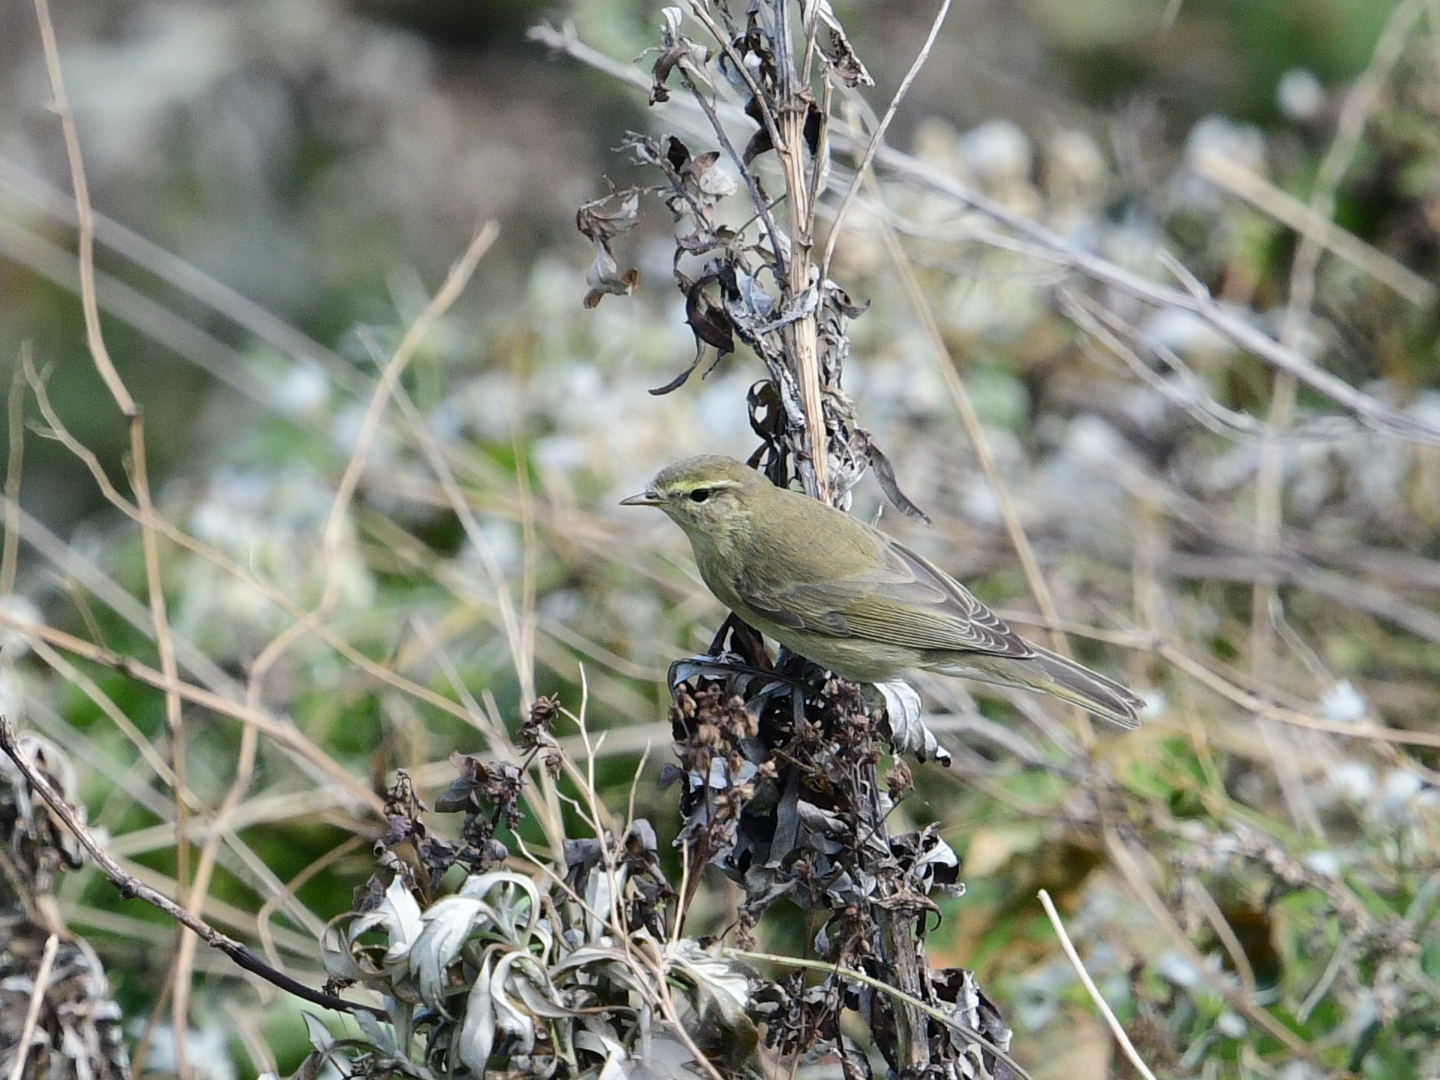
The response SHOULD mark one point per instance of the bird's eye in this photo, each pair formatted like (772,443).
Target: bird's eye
(699,494)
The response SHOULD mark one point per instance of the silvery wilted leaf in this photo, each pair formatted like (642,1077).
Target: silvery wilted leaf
(448,924)
(378,1036)
(398,914)
(716,181)
(477,1034)
(752,295)
(885,474)
(537,1004)
(908,733)
(677,47)
(606,960)
(335,953)
(508,1017)
(597,900)
(316,1031)
(722,979)
(504,888)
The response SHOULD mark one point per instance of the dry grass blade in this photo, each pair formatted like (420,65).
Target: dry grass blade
(284,734)
(95,342)
(189,279)
(13,470)
(877,138)
(134,886)
(1121,1037)
(1307,220)
(48,260)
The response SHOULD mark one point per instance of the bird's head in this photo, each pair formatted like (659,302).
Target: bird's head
(709,495)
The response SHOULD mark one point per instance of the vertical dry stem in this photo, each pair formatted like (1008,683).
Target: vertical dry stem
(794,101)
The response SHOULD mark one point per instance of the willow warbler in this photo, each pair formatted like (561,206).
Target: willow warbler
(847,596)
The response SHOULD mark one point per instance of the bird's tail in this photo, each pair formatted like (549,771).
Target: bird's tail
(1050,673)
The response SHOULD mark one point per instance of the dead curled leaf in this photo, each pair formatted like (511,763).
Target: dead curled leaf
(602,221)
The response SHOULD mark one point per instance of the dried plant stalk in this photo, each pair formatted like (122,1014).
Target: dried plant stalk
(781,789)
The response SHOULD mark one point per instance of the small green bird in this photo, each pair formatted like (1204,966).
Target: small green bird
(850,598)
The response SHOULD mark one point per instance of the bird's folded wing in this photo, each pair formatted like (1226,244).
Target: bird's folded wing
(905,601)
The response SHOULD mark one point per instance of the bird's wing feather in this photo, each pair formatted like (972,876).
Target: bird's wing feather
(906,600)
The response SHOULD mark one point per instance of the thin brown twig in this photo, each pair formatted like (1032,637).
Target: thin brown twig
(522,648)
(792,271)
(1230,324)
(268,909)
(130,885)
(1221,925)
(48,260)
(1124,860)
(333,533)
(1176,655)
(199,888)
(276,595)
(186,277)
(1308,220)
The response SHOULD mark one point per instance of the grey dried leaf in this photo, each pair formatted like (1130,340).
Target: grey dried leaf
(709,321)
(477,1033)
(602,220)
(840,55)
(313,1067)
(509,1017)
(680,380)
(714,180)
(448,924)
(885,474)
(604,277)
(317,1033)
(677,49)
(908,733)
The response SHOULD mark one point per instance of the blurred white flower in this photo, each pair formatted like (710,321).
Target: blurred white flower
(1231,1024)
(1300,94)
(1353,781)
(1186,333)
(1342,703)
(1155,702)
(207,1051)
(1399,794)
(1094,442)
(1323,862)
(997,150)
(20,609)
(1173,966)
(300,390)
(1240,143)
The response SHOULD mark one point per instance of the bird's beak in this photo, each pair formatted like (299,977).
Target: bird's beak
(645,498)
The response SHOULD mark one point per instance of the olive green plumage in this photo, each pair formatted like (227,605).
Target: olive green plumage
(847,596)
